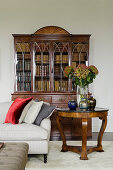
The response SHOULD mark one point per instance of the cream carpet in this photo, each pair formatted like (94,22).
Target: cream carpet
(70,161)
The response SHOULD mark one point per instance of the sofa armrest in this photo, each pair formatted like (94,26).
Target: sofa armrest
(4,107)
(46,124)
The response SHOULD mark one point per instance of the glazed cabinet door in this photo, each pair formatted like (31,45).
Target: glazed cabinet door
(60,61)
(41,67)
(79,55)
(23,66)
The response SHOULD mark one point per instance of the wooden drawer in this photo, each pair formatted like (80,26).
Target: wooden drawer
(60,105)
(43,98)
(63,98)
(40,97)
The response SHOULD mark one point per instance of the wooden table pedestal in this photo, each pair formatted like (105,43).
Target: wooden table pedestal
(84,115)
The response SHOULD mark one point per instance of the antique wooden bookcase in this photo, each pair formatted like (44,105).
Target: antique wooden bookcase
(40,59)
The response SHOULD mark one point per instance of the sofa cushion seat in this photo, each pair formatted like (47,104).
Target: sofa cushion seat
(22,132)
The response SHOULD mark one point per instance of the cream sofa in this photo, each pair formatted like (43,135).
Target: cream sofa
(36,136)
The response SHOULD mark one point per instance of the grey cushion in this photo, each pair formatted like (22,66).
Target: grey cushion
(45,112)
(37,100)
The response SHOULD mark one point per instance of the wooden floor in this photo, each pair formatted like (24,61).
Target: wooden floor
(108,136)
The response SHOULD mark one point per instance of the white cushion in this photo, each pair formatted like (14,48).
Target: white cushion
(33,111)
(46,124)
(23,131)
(24,112)
(4,107)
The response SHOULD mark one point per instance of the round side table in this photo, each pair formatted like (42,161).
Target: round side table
(83,150)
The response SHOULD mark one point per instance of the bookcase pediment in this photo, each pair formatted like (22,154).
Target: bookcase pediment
(51,30)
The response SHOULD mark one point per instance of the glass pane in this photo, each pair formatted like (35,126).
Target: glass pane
(60,62)
(42,67)
(23,67)
(79,53)
(79,56)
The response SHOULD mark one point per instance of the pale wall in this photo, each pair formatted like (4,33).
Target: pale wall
(76,16)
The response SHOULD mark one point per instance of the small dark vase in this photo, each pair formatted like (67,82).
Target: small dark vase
(72,105)
(91,103)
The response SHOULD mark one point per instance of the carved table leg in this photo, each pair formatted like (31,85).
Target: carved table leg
(64,148)
(102,129)
(84,140)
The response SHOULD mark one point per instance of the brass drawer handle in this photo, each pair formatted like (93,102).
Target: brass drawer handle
(41,99)
(61,99)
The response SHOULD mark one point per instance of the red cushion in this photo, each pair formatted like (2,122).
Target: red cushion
(15,110)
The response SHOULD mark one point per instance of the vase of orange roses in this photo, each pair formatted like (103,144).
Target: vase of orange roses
(83,76)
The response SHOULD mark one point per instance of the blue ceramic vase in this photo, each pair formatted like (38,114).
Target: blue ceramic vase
(72,105)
